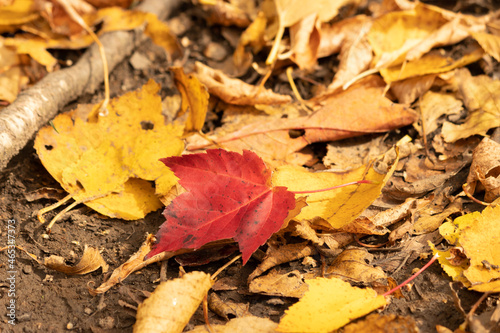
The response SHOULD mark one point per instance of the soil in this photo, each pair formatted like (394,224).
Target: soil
(49,301)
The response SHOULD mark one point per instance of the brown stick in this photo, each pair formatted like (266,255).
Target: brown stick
(35,106)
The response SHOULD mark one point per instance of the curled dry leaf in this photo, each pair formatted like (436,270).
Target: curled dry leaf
(91,261)
(484,172)
(234,91)
(279,255)
(172,304)
(227,307)
(134,263)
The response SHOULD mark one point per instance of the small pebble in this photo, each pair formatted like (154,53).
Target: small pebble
(88,311)
(45,236)
(27,269)
(69,326)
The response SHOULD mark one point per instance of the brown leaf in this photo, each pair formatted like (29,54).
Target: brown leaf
(484,171)
(228,307)
(248,324)
(279,283)
(352,264)
(359,110)
(91,261)
(235,91)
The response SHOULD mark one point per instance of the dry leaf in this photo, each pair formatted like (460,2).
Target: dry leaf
(248,324)
(482,102)
(91,261)
(194,98)
(172,304)
(227,307)
(483,174)
(344,115)
(234,91)
(280,283)
(353,264)
(328,305)
(477,234)
(375,323)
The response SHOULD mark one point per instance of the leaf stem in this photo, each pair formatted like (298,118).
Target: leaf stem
(413,276)
(335,187)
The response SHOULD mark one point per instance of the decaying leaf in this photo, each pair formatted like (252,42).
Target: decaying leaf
(249,324)
(172,304)
(281,283)
(104,165)
(353,264)
(91,261)
(328,305)
(227,307)
(477,234)
(375,323)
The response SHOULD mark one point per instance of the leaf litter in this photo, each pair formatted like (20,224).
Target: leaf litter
(312,240)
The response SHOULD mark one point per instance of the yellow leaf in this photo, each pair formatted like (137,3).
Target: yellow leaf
(328,305)
(19,12)
(432,63)
(91,261)
(194,97)
(340,206)
(172,304)
(108,164)
(490,43)
(394,34)
(477,233)
(481,97)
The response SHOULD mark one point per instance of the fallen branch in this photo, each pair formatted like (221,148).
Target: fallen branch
(35,106)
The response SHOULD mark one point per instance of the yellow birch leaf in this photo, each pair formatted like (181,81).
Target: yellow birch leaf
(194,97)
(172,304)
(340,206)
(432,63)
(482,98)
(477,233)
(328,305)
(108,164)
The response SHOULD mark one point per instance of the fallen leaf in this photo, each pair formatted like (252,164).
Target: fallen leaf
(434,105)
(482,272)
(172,304)
(235,200)
(304,41)
(194,98)
(376,323)
(483,174)
(344,115)
(279,255)
(354,264)
(234,91)
(340,206)
(490,43)
(103,164)
(328,305)
(481,100)
(248,324)
(226,308)
(281,283)
(91,260)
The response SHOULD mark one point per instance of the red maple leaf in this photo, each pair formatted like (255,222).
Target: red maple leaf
(229,196)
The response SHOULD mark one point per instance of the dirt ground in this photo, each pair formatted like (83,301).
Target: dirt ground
(49,301)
